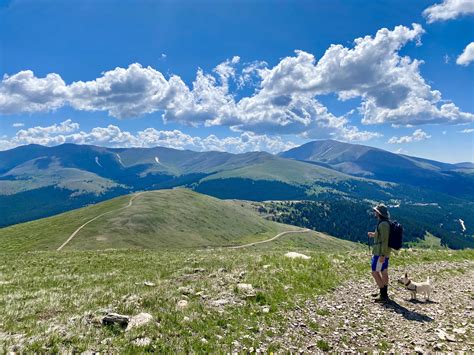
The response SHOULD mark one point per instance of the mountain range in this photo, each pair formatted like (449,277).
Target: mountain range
(38,181)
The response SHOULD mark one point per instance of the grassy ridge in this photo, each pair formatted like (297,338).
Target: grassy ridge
(49,233)
(157,220)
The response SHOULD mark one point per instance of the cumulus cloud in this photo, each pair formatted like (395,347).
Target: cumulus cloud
(126,92)
(467,55)
(417,136)
(448,10)
(50,135)
(391,87)
(113,136)
(283,99)
(24,92)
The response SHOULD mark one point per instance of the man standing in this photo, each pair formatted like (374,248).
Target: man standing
(381,251)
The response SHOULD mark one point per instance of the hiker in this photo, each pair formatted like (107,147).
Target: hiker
(381,251)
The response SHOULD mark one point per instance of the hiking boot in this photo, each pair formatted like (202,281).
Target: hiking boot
(382,299)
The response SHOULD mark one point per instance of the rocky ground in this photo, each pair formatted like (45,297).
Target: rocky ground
(348,320)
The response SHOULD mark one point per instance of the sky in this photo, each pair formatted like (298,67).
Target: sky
(239,76)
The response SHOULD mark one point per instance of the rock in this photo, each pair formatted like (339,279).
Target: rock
(245,287)
(266,266)
(294,255)
(198,269)
(186,319)
(219,303)
(142,341)
(450,337)
(266,309)
(149,283)
(185,290)
(182,304)
(139,320)
(204,341)
(459,330)
(419,350)
(441,334)
(115,318)
(438,346)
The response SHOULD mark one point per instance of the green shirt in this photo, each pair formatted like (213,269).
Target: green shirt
(382,233)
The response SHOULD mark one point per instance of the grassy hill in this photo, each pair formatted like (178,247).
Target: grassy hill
(176,218)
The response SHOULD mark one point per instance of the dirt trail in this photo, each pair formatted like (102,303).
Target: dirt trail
(96,217)
(347,320)
(268,240)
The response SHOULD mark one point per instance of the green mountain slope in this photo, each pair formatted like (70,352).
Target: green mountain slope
(176,218)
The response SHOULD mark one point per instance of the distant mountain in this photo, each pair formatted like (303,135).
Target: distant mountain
(374,163)
(37,181)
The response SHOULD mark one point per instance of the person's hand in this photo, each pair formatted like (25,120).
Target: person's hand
(381,259)
(370,234)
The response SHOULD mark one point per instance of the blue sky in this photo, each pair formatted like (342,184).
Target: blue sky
(265,96)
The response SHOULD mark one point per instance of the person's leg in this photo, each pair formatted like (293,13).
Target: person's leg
(378,278)
(384,277)
(376,273)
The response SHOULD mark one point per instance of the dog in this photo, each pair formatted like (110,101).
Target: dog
(415,287)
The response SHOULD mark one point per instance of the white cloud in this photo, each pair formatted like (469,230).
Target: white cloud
(18,124)
(391,87)
(50,135)
(417,136)
(126,92)
(468,130)
(467,55)
(448,10)
(24,92)
(113,136)
(284,99)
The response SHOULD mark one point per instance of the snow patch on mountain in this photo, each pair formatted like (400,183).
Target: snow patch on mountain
(98,162)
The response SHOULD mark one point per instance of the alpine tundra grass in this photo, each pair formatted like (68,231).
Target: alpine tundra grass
(53,301)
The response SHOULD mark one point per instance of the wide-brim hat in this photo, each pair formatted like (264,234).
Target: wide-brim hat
(382,210)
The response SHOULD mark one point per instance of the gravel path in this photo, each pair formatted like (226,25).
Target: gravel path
(348,320)
(269,240)
(96,217)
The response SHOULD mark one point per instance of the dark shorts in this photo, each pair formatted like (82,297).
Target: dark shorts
(376,266)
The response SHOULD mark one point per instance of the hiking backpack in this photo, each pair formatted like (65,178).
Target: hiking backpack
(395,239)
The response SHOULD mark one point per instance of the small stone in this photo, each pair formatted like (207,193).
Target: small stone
(186,319)
(149,283)
(182,304)
(419,350)
(266,309)
(294,255)
(139,320)
(219,303)
(185,290)
(266,266)
(142,341)
(245,287)
(204,341)
(115,318)
(236,343)
(450,338)
(459,330)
